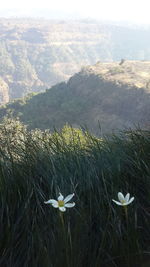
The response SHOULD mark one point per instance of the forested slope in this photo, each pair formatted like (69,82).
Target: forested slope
(112,95)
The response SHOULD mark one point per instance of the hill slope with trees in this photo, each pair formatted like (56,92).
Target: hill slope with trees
(112,95)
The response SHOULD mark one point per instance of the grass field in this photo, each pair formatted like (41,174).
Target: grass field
(35,166)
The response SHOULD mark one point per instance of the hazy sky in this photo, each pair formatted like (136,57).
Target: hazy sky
(131,10)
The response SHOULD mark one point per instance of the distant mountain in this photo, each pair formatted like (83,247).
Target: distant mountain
(114,95)
(36,54)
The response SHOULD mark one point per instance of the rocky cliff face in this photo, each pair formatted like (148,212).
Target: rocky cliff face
(4,92)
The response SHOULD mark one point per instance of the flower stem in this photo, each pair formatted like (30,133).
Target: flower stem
(126,213)
(65,238)
(127,228)
(62,220)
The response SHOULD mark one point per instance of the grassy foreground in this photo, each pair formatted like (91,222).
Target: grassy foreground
(35,166)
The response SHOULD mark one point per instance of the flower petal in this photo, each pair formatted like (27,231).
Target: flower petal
(63,209)
(130,201)
(60,197)
(50,201)
(69,205)
(127,197)
(118,203)
(69,197)
(55,205)
(121,197)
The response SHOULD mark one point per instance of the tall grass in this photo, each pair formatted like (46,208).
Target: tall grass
(36,166)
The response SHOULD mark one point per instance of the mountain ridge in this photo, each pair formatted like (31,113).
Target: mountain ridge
(91,97)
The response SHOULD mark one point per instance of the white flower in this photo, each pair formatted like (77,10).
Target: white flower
(61,203)
(123,201)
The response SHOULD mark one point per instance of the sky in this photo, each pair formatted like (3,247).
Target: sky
(136,11)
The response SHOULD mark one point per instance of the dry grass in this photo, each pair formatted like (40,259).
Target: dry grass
(133,73)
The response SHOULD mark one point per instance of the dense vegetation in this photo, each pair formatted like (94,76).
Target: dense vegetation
(108,94)
(36,54)
(36,166)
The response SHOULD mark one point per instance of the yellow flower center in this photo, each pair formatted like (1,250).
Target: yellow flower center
(61,203)
(123,201)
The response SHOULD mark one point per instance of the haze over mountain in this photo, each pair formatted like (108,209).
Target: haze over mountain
(36,54)
(116,95)
(39,13)
(108,10)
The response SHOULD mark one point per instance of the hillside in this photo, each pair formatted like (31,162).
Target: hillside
(36,54)
(116,96)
